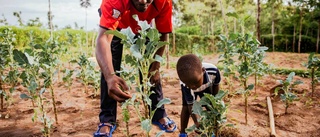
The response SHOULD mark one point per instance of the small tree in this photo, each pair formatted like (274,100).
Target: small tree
(288,97)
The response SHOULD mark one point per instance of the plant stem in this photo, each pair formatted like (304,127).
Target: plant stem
(1,101)
(45,127)
(246,108)
(54,104)
(127,123)
(1,96)
(287,105)
(255,83)
(216,133)
(246,102)
(312,81)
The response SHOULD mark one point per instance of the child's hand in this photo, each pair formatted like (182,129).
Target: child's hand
(198,128)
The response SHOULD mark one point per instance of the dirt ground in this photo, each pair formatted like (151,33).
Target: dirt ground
(78,111)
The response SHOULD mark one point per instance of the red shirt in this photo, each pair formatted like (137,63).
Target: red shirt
(118,14)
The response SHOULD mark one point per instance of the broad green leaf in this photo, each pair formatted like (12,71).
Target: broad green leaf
(250,87)
(220,94)
(33,86)
(25,96)
(232,14)
(158,59)
(42,91)
(197,108)
(31,59)
(153,35)
(263,48)
(20,57)
(116,33)
(143,24)
(163,102)
(136,51)
(128,33)
(283,97)
(147,100)
(161,44)
(290,77)
(298,82)
(223,38)
(191,129)
(145,125)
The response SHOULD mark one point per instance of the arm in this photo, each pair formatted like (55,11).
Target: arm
(184,118)
(104,59)
(156,65)
(215,89)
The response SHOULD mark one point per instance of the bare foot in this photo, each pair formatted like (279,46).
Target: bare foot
(105,129)
(164,121)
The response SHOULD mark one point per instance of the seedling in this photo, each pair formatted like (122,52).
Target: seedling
(288,97)
(67,78)
(313,65)
(213,118)
(88,74)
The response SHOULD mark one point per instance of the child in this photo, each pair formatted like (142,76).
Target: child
(196,78)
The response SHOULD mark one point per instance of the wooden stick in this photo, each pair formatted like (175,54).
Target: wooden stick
(271,118)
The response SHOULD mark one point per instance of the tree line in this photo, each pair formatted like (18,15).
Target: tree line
(281,25)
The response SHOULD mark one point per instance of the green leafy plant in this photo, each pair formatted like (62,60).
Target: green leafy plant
(87,74)
(247,46)
(67,78)
(31,79)
(260,68)
(288,97)
(142,55)
(213,118)
(313,65)
(228,49)
(39,63)
(8,68)
(250,57)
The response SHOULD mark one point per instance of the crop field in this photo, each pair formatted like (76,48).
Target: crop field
(266,51)
(78,107)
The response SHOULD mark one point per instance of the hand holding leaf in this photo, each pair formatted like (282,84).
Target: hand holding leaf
(116,88)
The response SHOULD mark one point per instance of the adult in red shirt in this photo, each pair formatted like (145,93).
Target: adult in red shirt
(117,14)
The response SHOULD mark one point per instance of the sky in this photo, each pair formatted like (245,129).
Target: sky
(65,12)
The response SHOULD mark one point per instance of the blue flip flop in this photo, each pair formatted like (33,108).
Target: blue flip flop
(165,126)
(98,134)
